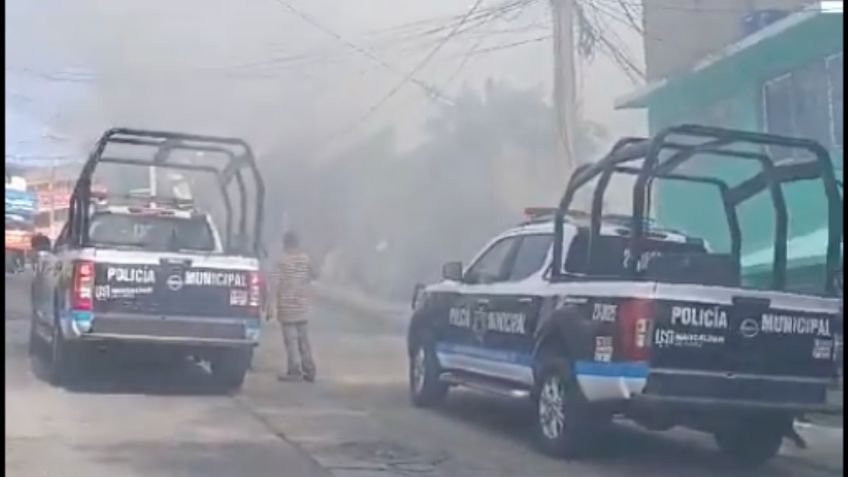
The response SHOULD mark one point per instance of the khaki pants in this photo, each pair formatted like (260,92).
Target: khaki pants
(298,352)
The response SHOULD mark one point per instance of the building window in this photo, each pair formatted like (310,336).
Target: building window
(834,88)
(777,111)
(800,104)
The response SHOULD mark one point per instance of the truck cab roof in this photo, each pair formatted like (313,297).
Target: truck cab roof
(609,227)
(133,210)
(136,226)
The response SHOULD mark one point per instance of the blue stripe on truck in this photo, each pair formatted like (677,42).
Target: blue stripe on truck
(628,369)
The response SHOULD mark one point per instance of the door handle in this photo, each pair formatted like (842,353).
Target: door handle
(525,300)
(482,301)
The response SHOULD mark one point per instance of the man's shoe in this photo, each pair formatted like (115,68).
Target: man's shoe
(290,377)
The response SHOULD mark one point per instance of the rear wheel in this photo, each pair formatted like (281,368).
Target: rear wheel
(229,367)
(564,423)
(64,358)
(751,442)
(35,344)
(425,388)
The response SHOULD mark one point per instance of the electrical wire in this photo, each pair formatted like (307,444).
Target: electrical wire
(477,44)
(430,35)
(670,6)
(395,89)
(431,91)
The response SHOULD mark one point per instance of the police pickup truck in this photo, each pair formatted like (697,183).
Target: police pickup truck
(153,276)
(559,310)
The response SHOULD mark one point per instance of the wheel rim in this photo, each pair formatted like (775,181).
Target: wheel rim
(551,414)
(419,370)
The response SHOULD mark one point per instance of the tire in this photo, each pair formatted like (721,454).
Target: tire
(750,443)
(64,358)
(229,367)
(35,344)
(425,388)
(565,425)
(250,359)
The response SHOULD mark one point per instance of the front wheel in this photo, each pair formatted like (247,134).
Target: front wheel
(425,388)
(564,426)
(751,442)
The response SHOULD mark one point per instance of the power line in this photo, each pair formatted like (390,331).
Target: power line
(476,46)
(297,61)
(503,6)
(394,90)
(508,46)
(596,34)
(670,6)
(430,90)
(479,17)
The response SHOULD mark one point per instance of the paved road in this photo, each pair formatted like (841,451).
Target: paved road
(128,424)
(355,421)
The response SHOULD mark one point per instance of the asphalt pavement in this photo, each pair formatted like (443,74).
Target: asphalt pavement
(129,419)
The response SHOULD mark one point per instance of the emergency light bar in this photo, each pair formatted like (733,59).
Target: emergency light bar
(535,213)
(152,202)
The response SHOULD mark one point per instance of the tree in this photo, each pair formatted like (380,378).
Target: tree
(396,217)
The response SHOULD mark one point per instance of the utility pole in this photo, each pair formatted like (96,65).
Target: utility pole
(565,90)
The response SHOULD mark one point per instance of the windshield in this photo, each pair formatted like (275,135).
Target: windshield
(152,233)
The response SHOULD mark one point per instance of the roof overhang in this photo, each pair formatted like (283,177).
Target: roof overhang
(642,96)
(802,251)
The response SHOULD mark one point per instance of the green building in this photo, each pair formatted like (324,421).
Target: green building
(785,78)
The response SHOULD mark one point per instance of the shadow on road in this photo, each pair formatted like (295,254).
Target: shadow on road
(622,447)
(110,374)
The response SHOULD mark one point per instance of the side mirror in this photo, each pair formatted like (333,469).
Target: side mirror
(40,243)
(415,293)
(452,271)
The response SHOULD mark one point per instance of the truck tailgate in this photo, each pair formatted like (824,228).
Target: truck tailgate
(743,332)
(175,286)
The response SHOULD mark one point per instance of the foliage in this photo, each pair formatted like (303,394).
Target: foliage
(383,219)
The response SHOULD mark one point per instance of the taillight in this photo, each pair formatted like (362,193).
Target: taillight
(255,296)
(634,328)
(83,286)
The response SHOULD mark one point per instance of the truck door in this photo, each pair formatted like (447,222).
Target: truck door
(521,298)
(468,345)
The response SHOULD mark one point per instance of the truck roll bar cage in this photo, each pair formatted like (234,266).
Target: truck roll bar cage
(717,142)
(239,157)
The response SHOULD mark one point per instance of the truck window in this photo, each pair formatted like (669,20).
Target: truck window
(613,253)
(493,265)
(530,255)
(151,233)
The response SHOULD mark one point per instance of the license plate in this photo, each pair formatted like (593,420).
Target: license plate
(238,297)
(822,349)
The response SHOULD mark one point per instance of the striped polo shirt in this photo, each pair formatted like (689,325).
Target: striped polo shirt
(291,275)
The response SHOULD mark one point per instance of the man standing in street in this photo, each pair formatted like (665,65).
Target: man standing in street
(292,275)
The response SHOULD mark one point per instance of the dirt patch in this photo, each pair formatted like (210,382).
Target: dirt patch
(389,457)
